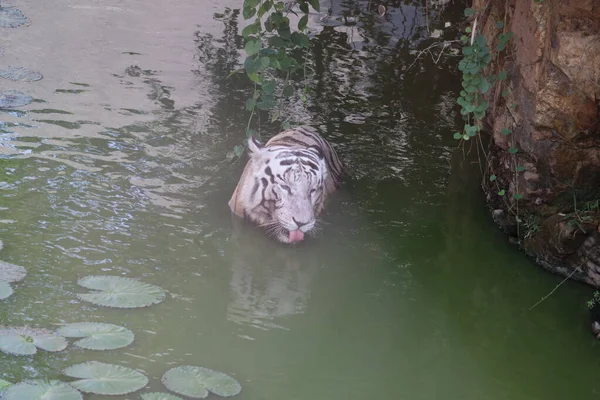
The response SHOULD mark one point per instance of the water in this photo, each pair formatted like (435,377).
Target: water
(121,168)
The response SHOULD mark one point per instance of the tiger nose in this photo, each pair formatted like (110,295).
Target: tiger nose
(299,224)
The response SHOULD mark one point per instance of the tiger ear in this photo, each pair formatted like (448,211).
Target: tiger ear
(255,147)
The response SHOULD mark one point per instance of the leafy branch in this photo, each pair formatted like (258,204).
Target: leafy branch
(272,47)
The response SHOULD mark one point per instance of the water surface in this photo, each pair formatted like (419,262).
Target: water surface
(121,167)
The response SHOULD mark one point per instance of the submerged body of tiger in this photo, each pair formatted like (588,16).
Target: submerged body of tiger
(285,183)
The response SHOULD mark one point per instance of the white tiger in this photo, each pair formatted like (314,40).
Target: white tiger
(285,183)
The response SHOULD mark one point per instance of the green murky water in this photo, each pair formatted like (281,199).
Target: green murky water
(410,292)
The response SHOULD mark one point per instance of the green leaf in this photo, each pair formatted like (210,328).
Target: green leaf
(254,77)
(252,47)
(264,62)
(457,135)
(42,390)
(300,39)
(196,382)
(504,93)
(469,12)
(468,29)
(520,168)
(502,75)
(238,150)
(502,192)
(267,102)
(120,292)
(304,7)
(315,5)
(277,42)
(513,150)
(288,91)
(251,29)
(97,336)
(517,196)
(505,131)
(500,24)
(501,46)
(467,50)
(108,379)
(464,38)
(268,86)
(484,85)
(492,178)
(251,3)
(303,22)
(5,290)
(265,7)
(248,12)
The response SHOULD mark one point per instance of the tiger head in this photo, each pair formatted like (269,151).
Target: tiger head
(287,189)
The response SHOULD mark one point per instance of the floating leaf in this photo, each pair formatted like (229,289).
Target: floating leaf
(17,345)
(97,336)
(5,290)
(11,17)
(25,341)
(159,396)
(42,390)
(13,98)
(49,342)
(11,273)
(116,291)
(109,379)
(20,74)
(196,382)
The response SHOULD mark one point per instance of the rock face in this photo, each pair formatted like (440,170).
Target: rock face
(551,102)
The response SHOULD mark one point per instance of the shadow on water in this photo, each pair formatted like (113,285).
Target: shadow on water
(407,292)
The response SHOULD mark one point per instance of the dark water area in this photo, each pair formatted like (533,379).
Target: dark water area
(122,167)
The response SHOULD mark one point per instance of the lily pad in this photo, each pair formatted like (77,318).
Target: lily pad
(196,382)
(116,291)
(4,384)
(11,17)
(5,290)
(109,379)
(42,390)
(26,341)
(13,98)
(11,273)
(159,396)
(21,74)
(97,336)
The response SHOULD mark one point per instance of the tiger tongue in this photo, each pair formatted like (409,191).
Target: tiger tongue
(296,236)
